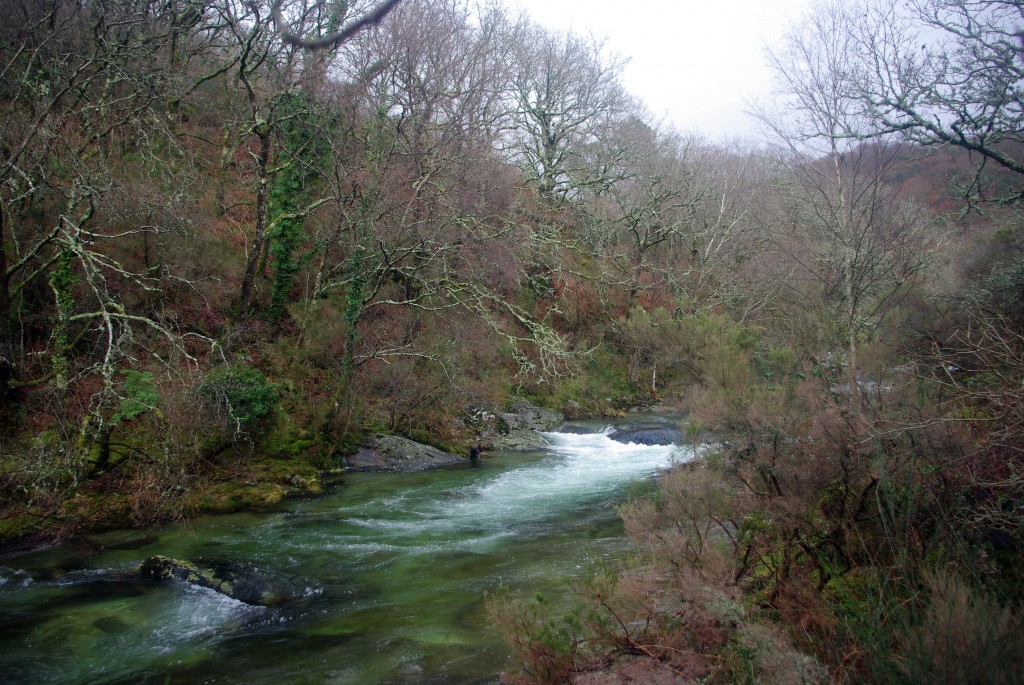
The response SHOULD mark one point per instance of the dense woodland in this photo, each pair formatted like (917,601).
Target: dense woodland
(225,257)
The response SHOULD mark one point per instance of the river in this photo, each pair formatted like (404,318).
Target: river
(386,576)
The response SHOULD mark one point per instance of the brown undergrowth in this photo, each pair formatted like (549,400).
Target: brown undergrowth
(830,539)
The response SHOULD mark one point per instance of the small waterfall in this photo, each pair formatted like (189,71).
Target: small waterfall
(582,470)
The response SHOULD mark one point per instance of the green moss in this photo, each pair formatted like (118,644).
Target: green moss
(287,441)
(97,510)
(230,496)
(21,524)
(299,477)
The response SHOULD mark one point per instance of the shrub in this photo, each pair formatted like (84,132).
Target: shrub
(243,395)
(964,637)
(140,396)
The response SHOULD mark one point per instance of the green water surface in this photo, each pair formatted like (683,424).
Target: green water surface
(385,576)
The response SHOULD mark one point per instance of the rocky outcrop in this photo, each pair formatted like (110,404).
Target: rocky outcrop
(656,433)
(393,453)
(518,441)
(248,588)
(525,416)
(517,429)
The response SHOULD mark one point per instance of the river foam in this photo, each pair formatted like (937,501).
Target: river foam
(393,565)
(581,470)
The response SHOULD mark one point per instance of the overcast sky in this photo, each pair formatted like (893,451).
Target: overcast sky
(695,62)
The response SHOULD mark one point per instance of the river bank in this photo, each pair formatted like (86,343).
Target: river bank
(387,572)
(257,473)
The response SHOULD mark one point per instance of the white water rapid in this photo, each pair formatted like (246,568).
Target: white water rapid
(386,577)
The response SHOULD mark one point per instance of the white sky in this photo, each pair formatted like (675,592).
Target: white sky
(695,62)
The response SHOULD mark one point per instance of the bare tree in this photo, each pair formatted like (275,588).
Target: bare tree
(333,40)
(565,95)
(421,228)
(90,169)
(947,72)
(725,242)
(845,226)
(647,210)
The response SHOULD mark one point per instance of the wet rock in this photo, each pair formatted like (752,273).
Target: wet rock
(518,441)
(647,434)
(515,430)
(519,428)
(525,416)
(14,577)
(249,588)
(393,453)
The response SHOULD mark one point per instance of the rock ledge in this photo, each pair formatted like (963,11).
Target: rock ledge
(382,452)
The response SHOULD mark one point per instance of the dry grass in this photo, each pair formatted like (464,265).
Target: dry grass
(964,638)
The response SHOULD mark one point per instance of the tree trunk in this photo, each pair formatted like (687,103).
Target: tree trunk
(845,230)
(262,202)
(227,152)
(5,296)
(8,370)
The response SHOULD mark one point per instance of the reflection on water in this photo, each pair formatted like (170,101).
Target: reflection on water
(385,577)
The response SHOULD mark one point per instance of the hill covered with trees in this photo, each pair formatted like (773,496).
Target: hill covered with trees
(226,257)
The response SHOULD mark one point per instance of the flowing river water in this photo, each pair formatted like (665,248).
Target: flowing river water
(386,577)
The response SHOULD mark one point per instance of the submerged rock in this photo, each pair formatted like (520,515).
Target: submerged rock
(244,587)
(647,434)
(393,453)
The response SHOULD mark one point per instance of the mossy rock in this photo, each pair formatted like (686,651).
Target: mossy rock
(525,416)
(300,477)
(247,588)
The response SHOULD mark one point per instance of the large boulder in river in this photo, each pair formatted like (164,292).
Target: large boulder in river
(519,428)
(518,441)
(647,434)
(250,588)
(525,416)
(393,453)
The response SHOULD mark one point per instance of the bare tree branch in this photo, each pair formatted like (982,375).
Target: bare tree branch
(335,39)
